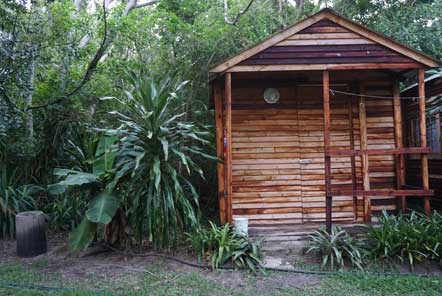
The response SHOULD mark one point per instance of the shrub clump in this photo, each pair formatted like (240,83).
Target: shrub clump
(335,248)
(407,238)
(221,245)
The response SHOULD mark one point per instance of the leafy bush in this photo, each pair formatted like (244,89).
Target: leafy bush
(220,245)
(143,167)
(411,238)
(13,199)
(335,247)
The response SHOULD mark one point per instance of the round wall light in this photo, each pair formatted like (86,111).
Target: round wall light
(271,95)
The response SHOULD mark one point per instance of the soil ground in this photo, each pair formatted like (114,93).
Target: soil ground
(119,273)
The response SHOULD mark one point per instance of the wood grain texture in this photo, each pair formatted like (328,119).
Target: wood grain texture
(327,158)
(423,139)
(364,157)
(278,154)
(228,166)
(222,202)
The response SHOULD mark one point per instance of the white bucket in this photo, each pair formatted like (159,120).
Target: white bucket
(241,226)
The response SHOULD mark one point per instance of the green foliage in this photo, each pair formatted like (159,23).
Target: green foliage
(220,245)
(102,204)
(335,247)
(102,208)
(83,235)
(157,152)
(66,211)
(408,238)
(13,199)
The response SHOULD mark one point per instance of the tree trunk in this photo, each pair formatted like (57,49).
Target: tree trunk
(29,95)
(30,233)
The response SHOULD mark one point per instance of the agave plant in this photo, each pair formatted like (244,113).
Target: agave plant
(156,156)
(335,247)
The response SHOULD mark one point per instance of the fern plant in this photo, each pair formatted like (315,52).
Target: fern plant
(335,247)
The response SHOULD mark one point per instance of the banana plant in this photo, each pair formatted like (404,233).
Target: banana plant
(104,204)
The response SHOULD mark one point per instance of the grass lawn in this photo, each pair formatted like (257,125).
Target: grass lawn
(197,282)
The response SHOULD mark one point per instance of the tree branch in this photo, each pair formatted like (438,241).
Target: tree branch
(133,4)
(90,68)
(238,16)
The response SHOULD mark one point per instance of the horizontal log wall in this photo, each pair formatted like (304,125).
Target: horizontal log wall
(278,154)
(266,184)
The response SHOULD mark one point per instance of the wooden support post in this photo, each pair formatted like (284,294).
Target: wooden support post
(228,96)
(400,158)
(364,156)
(423,134)
(218,98)
(352,157)
(327,158)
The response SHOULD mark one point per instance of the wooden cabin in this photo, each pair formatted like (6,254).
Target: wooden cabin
(433,91)
(309,125)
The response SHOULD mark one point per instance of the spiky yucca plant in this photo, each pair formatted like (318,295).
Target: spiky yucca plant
(156,155)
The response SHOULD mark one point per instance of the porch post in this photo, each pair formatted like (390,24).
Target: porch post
(218,98)
(400,159)
(352,157)
(423,134)
(327,159)
(364,155)
(228,96)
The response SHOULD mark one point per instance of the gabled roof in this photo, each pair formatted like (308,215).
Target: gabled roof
(329,15)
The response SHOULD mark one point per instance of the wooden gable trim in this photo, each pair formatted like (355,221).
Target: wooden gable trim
(272,40)
(306,67)
(384,40)
(421,58)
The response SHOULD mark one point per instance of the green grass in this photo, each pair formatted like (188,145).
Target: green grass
(195,283)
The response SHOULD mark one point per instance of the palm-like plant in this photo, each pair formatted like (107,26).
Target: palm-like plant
(155,143)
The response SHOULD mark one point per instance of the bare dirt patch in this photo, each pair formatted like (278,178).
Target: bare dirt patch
(121,271)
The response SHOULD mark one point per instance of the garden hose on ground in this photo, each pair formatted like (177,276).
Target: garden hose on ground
(203,266)
(300,271)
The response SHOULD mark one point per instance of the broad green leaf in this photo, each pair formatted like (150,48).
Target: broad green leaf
(56,189)
(78,178)
(104,155)
(81,237)
(102,208)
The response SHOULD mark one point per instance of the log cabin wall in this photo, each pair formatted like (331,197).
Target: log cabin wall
(433,89)
(278,150)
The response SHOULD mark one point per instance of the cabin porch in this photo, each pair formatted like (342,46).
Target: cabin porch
(330,150)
